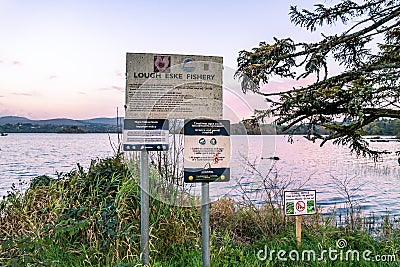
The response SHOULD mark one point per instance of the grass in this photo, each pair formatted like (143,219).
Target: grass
(92,218)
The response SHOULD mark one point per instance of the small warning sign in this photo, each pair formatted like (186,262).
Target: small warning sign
(302,202)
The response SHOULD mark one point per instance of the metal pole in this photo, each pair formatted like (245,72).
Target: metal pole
(205,224)
(144,206)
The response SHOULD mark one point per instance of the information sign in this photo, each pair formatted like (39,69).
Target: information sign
(150,135)
(207,151)
(302,202)
(162,86)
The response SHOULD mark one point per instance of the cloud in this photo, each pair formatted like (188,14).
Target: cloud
(119,73)
(51,77)
(16,62)
(81,93)
(113,88)
(22,94)
(281,85)
(119,88)
(5,112)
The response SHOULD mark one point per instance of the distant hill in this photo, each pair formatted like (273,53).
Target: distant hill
(108,121)
(59,121)
(13,120)
(15,124)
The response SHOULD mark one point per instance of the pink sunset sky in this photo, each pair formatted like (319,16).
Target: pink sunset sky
(67,58)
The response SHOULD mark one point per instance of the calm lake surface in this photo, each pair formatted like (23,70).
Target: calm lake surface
(374,185)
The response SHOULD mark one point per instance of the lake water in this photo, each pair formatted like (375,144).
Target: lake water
(373,185)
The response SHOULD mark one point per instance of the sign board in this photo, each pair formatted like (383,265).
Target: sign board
(150,135)
(162,86)
(207,151)
(302,202)
(168,86)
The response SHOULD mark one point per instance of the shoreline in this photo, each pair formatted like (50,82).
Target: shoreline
(92,217)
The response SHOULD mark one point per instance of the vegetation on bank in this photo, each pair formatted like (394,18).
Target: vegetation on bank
(92,218)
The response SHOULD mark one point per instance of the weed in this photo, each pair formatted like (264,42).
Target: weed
(92,218)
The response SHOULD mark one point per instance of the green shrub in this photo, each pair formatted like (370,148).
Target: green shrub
(92,218)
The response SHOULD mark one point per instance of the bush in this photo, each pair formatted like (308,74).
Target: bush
(92,218)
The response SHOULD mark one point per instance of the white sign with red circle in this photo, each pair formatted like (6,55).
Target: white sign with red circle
(300,206)
(300,202)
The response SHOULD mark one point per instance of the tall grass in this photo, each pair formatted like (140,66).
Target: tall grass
(92,218)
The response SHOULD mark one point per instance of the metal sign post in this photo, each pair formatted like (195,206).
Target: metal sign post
(205,224)
(166,86)
(145,135)
(206,159)
(144,207)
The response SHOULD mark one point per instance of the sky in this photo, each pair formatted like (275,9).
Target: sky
(66,59)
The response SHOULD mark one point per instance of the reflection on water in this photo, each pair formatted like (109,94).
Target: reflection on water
(374,185)
(24,156)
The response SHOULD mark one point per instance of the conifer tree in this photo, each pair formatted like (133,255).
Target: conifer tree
(366,88)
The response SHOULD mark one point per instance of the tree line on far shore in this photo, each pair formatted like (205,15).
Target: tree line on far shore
(51,128)
(388,127)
